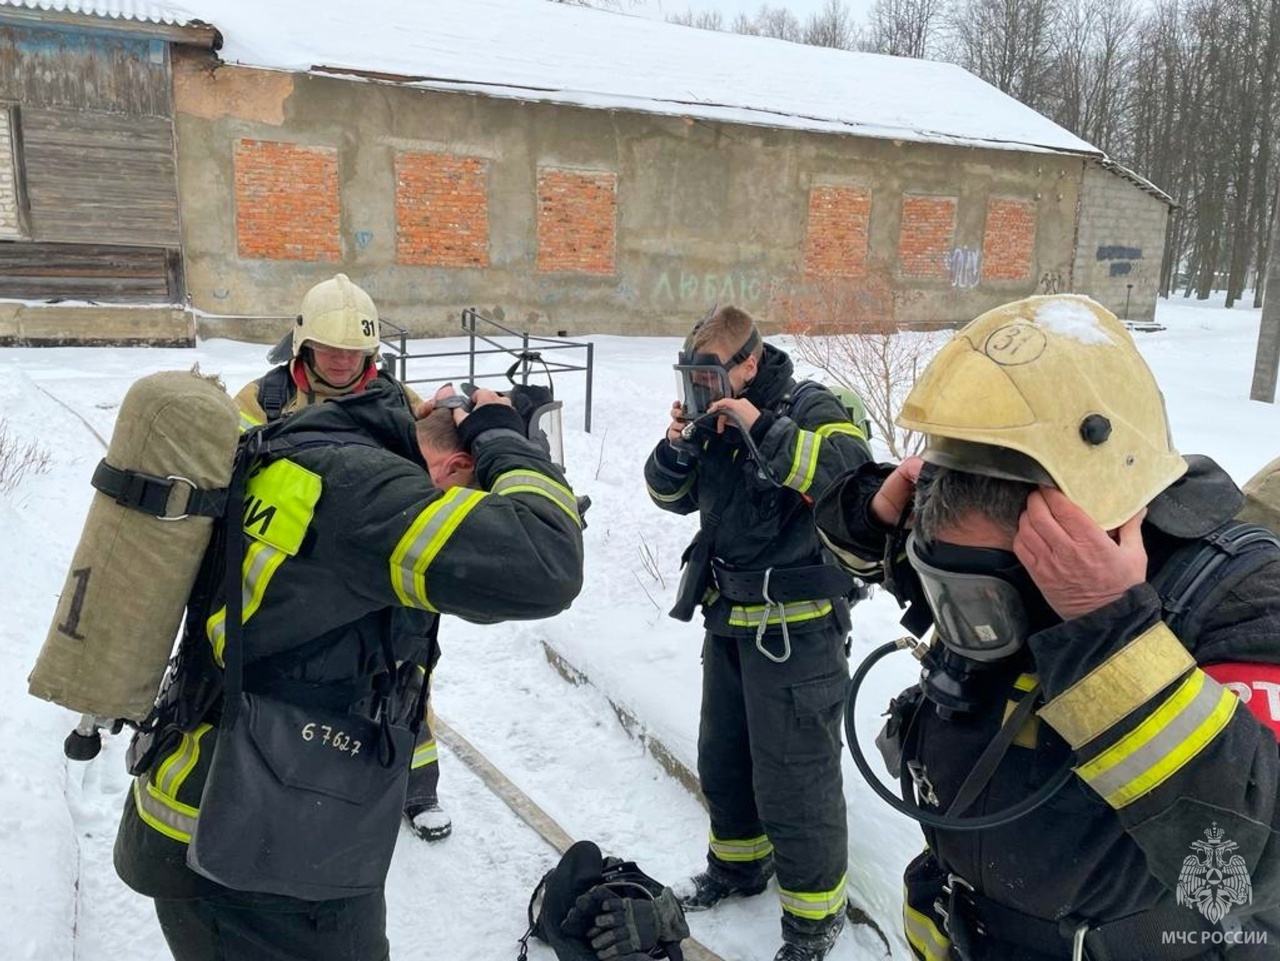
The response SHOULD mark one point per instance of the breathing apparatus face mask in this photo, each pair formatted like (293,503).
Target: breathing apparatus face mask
(978,597)
(702,378)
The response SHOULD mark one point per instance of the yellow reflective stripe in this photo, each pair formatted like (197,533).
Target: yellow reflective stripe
(424,539)
(1026,682)
(804,463)
(826,430)
(170,776)
(279,502)
(748,849)
(248,422)
(814,905)
(1118,686)
(924,936)
(424,754)
(680,491)
(531,482)
(795,611)
(261,561)
(160,808)
(1162,744)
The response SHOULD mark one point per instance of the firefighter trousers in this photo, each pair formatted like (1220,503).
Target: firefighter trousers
(769,751)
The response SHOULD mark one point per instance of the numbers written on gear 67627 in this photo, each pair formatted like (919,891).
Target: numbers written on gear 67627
(338,740)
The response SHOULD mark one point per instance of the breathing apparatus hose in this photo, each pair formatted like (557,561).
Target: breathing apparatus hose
(914,811)
(690,429)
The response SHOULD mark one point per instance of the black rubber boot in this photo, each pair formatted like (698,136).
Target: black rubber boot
(428,820)
(708,889)
(805,940)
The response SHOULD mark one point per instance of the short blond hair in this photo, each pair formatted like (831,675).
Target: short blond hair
(438,432)
(726,330)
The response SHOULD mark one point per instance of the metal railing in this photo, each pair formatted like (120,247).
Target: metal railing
(482,342)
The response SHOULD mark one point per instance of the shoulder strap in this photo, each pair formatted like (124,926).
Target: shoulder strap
(791,399)
(1200,572)
(273,391)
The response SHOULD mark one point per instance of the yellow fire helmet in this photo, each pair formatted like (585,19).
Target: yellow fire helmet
(337,313)
(1050,390)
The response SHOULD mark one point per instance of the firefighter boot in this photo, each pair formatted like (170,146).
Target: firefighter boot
(429,821)
(804,940)
(709,888)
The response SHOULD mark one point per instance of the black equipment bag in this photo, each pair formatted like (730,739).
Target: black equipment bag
(301,802)
(581,868)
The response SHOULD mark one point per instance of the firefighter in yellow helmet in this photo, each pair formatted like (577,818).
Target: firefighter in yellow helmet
(332,351)
(1101,629)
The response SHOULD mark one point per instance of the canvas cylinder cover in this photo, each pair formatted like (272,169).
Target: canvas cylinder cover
(127,589)
(1262,497)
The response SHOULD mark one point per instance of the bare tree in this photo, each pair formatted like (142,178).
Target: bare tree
(1008,44)
(702,19)
(779,23)
(905,28)
(832,26)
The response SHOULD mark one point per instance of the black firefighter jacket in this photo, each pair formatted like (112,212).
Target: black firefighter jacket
(339,535)
(764,523)
(1174,741)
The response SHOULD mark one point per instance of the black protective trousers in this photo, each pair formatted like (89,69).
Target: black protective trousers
(769,750)
(243,926)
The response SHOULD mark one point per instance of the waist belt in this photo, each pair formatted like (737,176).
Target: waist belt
(781,584)
(971,917)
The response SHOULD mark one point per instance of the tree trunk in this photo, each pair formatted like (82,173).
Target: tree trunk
(1267,359)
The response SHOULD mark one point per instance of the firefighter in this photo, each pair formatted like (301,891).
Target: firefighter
(1041,534)
(332,351)
(748,449)
(366,532)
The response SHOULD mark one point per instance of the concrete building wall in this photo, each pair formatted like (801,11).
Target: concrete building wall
(1121,245)
(583,220)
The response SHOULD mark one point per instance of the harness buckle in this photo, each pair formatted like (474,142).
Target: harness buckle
(179,479)
(924,787)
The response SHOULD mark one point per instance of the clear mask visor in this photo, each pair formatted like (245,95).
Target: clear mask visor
(547,423)
(980,616)
(698,386)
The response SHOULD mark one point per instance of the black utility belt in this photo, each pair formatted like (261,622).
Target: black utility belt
(781,585)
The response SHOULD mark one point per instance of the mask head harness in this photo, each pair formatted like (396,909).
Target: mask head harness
(701,377)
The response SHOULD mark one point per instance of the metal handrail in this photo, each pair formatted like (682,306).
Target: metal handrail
(524,356)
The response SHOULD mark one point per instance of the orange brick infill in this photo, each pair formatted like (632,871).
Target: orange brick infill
(836,239)
(577,221)
(928,224)
(1009,240)
(442,210)
(287,204)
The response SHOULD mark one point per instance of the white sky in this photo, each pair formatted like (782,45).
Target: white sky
(561,744)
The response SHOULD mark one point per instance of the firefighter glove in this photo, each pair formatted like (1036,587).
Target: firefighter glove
(624,926)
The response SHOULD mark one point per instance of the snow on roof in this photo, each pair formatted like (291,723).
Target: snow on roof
(537,50)
(142,11)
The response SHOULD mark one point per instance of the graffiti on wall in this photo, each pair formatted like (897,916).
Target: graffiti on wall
(736,287)
(1051,282)
(1120,258)
(965,266)
(363,238)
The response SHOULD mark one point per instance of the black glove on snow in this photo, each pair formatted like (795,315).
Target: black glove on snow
(626,926)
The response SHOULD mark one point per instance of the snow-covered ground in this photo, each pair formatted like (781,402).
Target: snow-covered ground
(465,898)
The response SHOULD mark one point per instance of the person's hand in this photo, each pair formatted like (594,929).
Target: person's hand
(893,499)
(746,413)
(1078,566)
(480,398)
(678,422)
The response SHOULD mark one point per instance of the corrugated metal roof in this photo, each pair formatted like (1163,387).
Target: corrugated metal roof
(142,11)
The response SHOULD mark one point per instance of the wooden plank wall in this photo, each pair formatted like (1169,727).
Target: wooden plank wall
(103,274)
(96,151)
(100,178)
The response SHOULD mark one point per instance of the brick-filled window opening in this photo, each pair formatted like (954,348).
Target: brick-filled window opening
(836,237)
(928,226)
(442,210)
(1009,240)
(287,201)
(577,221)
(12,202)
